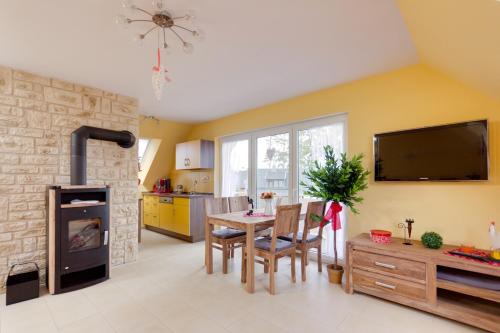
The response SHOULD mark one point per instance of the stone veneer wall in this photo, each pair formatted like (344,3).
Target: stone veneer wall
(37,116)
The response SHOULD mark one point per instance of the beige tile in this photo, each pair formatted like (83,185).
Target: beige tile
(132,318)
(28,316)
(93,324)
(106,296)
(254,323)
(69,307)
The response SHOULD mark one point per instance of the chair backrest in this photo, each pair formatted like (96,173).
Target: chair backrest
(238,204)
(216,206)
(313,208)
(286,222)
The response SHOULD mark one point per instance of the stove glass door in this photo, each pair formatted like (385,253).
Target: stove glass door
(84,234)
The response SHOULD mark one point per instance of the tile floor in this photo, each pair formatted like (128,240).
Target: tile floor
(167,290)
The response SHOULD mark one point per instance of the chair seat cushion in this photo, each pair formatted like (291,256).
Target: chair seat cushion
(265,244)
(310,238)
(228,233)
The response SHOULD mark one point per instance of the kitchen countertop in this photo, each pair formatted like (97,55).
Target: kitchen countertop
(179,195)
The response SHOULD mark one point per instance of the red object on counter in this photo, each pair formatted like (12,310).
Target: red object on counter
(381,236)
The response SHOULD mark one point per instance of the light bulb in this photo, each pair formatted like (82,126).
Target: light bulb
(199,34)
(190,16)
(139,39)
(122,20)
(159,5)
(128,4)
(188,47)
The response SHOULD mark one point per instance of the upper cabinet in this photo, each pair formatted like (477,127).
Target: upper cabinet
(197,154)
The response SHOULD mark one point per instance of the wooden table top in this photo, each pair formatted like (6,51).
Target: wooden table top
(240,217)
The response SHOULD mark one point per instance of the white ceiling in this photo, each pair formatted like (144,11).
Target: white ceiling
(255,51)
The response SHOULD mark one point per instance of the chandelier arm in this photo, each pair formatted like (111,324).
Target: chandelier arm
(150,30)
(144,11)
(164,39)
(183,28)
(179,17)
(178,36)
(130,21)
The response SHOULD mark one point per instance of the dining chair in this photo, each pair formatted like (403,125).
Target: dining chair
(306,240)
(272,248)
(238,204)
(226,239)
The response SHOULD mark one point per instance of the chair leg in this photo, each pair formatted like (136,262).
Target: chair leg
(272,264)
(303,264)
(225,254)
(243,266)
(320,264)
(307,257)
(276,265)
(293,266)
(266,266)
(232,250)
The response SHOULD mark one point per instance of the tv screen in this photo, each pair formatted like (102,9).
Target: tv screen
(447,153)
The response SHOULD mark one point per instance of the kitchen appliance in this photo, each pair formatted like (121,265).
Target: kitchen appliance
(179,189)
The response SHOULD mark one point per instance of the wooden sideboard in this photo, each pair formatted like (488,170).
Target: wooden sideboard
(407,274)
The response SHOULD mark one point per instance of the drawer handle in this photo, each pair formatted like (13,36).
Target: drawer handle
(381,264)
(385,285)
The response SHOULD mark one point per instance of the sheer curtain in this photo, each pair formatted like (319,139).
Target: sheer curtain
(311,149)
(234,168)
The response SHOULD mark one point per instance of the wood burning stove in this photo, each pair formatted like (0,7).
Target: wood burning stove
(78,219)
(78,237)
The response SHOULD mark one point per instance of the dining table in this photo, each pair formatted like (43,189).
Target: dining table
(244,222)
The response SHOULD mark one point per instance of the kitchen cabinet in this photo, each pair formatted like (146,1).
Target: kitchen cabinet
(151,211)
(179,216)
(196,154)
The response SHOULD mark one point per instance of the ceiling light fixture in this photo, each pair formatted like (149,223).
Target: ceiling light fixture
(163,21)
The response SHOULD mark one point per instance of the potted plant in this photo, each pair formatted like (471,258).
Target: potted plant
(339,181)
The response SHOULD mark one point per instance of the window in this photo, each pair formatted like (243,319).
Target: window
(275,160)
(143,145)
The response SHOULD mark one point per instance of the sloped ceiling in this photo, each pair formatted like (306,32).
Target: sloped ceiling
(458,37)
(256,51)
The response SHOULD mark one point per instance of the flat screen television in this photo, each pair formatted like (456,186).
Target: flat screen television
(456,152)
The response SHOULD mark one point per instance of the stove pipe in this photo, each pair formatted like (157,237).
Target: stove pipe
(79,138)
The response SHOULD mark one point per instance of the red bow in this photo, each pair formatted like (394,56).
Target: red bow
(333,215)
(157,67)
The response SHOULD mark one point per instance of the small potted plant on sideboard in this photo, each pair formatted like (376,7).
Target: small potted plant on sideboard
(339,181)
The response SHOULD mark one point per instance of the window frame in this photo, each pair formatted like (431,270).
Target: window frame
(292,129)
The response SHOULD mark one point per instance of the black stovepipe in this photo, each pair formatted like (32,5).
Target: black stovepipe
(79,138)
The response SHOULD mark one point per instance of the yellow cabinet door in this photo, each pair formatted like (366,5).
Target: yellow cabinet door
(151,213)
(181,216)
(166,216)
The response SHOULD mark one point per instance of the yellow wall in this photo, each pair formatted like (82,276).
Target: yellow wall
(170,133)
(411,97)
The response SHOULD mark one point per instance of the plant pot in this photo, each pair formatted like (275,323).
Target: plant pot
(335,274)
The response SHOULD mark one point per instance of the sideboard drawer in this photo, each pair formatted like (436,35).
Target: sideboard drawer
(414,270)
(372,282)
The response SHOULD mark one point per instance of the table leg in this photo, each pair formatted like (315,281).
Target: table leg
(209,227)
(250,246)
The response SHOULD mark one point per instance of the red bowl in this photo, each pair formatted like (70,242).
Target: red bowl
(380,236)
